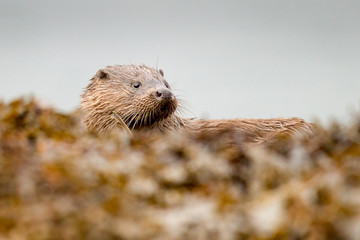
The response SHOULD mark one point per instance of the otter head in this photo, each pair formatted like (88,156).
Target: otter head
(138,94)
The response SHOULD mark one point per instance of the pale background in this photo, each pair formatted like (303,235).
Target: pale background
(230,59)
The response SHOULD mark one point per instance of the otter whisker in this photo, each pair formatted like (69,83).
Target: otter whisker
(139,120)
(135,119)
(150,116)
(142,122)
(127,119)
(146,119)
(122,123)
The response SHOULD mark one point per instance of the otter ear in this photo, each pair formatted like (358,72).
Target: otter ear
(161,72)
(102,74)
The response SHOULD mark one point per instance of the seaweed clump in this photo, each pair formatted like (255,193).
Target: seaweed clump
(57,181)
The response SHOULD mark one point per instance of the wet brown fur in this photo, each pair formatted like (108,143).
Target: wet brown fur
(111,90)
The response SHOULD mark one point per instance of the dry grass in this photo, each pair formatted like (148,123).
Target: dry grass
(59,182)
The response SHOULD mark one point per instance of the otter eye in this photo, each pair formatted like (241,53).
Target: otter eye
(167,84)
(136,84)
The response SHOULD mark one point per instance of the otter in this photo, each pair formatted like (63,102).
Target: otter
(143,99)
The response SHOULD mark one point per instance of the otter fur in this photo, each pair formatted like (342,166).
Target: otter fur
(141,96)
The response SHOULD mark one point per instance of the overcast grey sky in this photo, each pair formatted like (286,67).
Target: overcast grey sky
(228,59)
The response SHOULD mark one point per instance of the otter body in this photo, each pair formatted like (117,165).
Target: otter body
(143,99)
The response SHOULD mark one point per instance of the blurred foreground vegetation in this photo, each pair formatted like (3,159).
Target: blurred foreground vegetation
(57,181)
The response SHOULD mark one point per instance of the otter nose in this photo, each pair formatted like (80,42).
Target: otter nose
(163,94)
